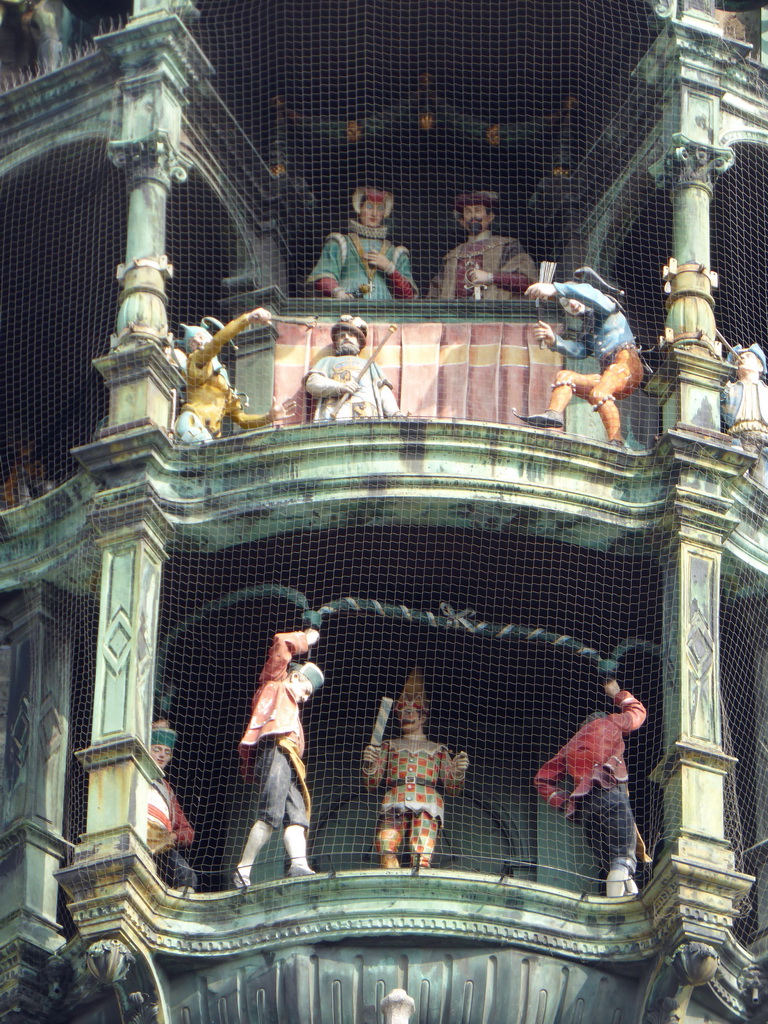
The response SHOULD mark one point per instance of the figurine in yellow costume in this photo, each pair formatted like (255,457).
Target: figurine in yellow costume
(210,396)
(412,767)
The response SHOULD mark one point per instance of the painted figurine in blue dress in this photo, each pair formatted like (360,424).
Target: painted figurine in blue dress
(364,264)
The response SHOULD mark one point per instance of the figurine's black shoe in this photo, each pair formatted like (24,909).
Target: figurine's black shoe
(543,419)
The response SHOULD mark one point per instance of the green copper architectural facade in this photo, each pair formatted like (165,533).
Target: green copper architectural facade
(469,948)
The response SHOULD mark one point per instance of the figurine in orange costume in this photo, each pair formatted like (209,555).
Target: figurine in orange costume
(412,767)
(271,753)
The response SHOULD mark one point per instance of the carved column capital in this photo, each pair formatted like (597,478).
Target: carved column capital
(153,158)
(690,163)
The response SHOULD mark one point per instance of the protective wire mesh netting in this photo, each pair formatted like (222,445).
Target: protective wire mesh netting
(508,630)
(62,222)
(514,618)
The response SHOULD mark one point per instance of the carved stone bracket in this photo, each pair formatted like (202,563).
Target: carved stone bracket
(109,961)
(112,963)
(695,963)
(664,8)
(152,158)
(753,985)
(687,162)
(692,964)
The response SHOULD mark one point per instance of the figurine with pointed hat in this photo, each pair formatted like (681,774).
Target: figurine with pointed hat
(364,264)
(412,767)
(272,749)
(210,397)
(744,401)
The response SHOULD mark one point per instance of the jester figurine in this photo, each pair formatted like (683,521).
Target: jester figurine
(364,264)
(606,335)
(412,766)
(210,396)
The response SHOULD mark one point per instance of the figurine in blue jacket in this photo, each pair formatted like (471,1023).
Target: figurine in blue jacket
(606,335)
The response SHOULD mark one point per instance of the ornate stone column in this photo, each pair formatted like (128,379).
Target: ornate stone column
(132,536)
(758,854)
(693,374)
(32,845)
(141,379)
(696,888)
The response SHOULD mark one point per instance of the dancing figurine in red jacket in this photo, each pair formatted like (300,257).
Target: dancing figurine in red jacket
(593,760)
(271,753)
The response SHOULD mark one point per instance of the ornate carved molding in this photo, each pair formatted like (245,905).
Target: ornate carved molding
(690,163)
(109,961)
(153,158)
(753,985)
(663,1011)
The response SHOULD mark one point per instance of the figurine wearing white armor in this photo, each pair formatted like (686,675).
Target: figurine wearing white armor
(343,391)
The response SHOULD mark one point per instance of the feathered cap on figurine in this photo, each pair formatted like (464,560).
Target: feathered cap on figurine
(310,671)
(484,198)
(207,324)
(162,734)
(413,694)
(372,195)
(755,349)
(586,275)
(355,324)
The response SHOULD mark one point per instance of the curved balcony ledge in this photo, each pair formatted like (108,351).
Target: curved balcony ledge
(39,538)
(459,473)
(354,907)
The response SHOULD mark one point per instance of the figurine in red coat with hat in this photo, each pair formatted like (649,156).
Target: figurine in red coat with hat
(271,752)
(486,266)
(587,780)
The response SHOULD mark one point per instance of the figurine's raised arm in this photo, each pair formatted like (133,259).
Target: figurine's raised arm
(210,396)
